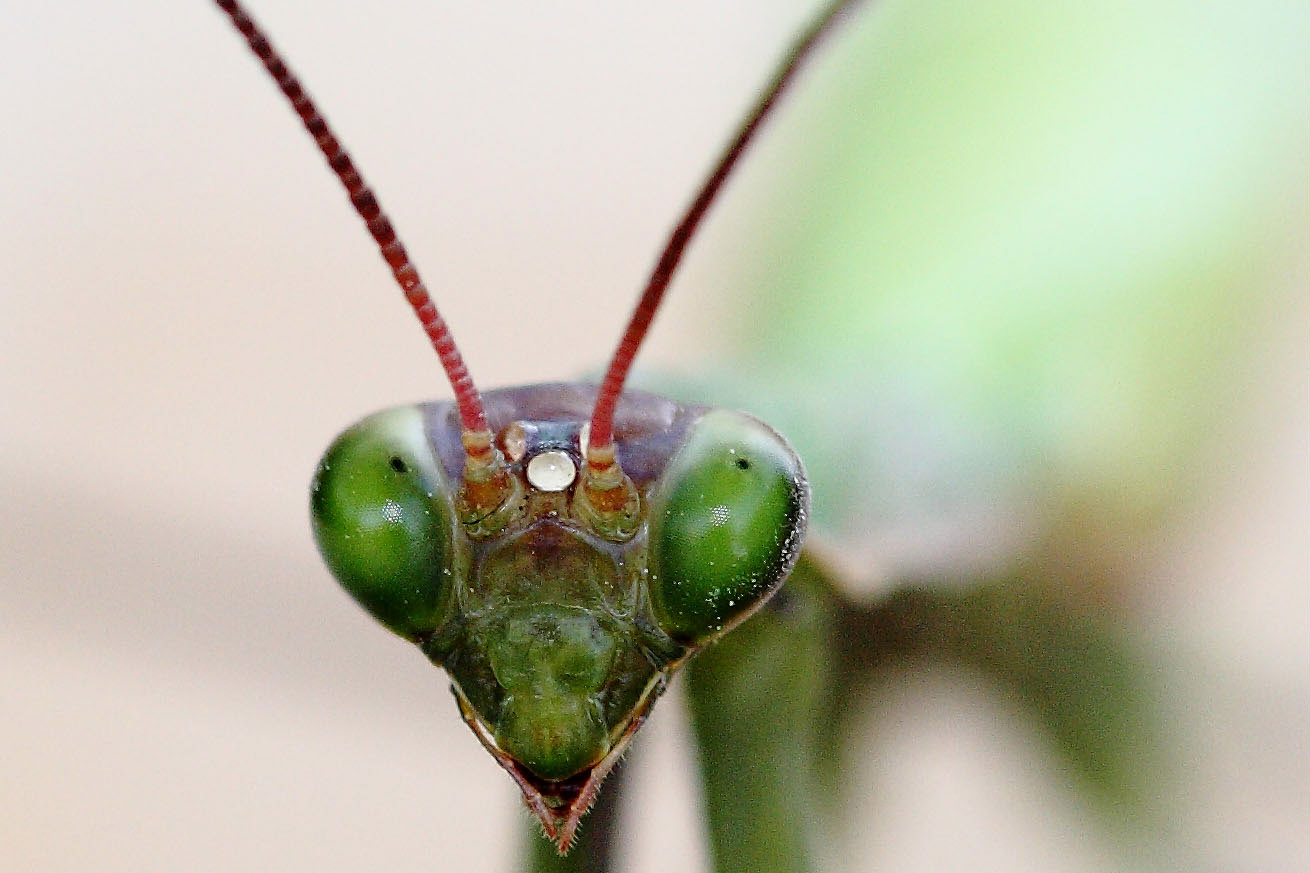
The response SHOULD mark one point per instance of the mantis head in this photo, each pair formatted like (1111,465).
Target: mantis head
(559,549)
(557,630)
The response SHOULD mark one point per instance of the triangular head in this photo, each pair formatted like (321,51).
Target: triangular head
(559,632)
(559,549)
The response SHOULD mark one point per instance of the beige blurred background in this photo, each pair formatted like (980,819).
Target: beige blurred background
(189,312)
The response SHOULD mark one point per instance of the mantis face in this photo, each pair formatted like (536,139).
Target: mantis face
(558,630)
(560,549)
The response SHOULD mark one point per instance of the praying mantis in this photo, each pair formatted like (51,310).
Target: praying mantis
(767,624)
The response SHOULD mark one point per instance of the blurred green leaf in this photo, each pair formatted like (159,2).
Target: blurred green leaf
(1011,254)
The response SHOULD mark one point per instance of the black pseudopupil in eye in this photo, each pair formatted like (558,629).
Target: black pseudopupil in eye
(743,464)
(399,465)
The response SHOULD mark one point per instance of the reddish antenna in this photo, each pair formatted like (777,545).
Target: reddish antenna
(600,450)
(477,437)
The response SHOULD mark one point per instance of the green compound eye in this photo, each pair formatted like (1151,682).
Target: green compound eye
(727,520)
(382,518)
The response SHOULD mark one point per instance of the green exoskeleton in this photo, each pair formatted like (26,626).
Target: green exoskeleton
(559,549)
(558,627)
